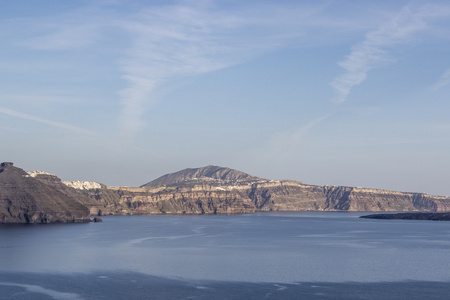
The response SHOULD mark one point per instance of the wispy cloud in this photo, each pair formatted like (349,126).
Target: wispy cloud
(196,37)
(387,141)
(43,121)
(66,36)
(288,143)
(179,40)
(11,129)
(72,29)
(170,41)
(303,130)
(165,42)
(443,81)
(374,51)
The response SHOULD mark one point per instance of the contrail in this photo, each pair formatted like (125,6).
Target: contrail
(44,121)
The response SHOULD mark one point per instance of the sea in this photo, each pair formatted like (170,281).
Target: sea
(289,255)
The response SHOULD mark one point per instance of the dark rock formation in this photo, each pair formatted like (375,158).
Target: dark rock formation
(411,216)
(96,220)
(24,199)
(95,208)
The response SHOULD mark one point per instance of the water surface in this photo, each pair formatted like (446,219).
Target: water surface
(280,254)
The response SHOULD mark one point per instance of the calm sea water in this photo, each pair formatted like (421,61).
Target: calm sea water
(266,255)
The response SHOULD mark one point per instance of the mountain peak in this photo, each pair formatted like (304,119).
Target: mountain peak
(210,174)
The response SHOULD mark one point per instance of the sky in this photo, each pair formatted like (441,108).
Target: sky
(335,92)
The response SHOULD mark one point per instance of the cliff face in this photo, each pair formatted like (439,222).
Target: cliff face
(202,199)
(187,192)
(44,198)
(25,199)
(295,196)
(95,207)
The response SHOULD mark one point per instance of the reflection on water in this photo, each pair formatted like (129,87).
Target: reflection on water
(265,247)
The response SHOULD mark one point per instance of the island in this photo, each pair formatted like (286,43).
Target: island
(41,197)
(411,216)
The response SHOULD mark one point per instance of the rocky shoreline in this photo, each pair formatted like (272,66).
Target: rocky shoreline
(411,216)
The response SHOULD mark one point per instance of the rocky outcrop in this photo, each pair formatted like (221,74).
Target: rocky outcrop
(25,199)
(411,216)
(81,196)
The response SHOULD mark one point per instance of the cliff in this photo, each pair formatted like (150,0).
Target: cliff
(76,190)
(296,196)
(264,196)
(200,199)
(42,197)
(25,199)
(217,190)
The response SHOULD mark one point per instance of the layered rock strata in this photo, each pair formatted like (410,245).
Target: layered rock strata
(41,197)
(263,196)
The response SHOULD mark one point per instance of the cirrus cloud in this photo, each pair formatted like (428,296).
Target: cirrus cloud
(374,51)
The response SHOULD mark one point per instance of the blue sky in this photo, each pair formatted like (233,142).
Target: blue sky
(350,93)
